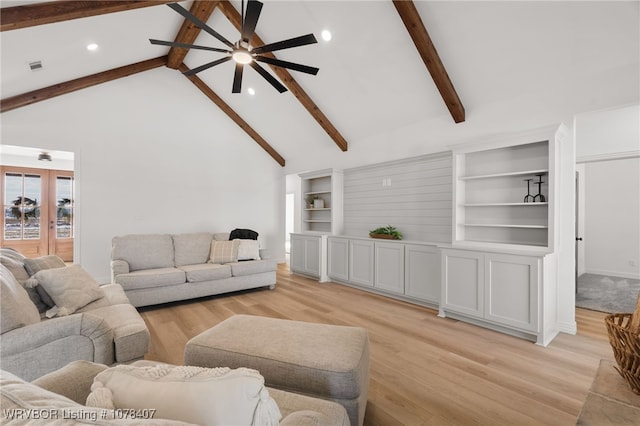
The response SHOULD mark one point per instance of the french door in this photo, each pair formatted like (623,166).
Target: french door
(39,211)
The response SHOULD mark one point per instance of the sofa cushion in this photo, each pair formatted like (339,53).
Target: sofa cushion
(149,278)
(70,288)
(192,249)
(224,251)
(221,236)
(206,272)
(16,308)
(214,396)
(149,251)
(252,267)
(16,267)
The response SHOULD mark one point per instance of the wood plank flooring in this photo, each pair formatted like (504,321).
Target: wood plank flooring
(425,370)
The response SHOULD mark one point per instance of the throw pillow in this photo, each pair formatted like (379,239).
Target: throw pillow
(33,266)
(248,250)
(224,251)
(71,288)
(16,309)
(211,396)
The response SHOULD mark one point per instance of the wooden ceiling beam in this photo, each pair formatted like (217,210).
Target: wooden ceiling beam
(43,94)
(234,17)
(30,15)
(233,115)
(418,32)
(189,32)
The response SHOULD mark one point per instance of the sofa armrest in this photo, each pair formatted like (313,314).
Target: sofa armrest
(40,348)
(73,381)
(119,267)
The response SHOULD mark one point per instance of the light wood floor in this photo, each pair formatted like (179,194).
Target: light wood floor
(425,370)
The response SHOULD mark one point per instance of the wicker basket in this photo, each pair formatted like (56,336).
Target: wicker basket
(624,336)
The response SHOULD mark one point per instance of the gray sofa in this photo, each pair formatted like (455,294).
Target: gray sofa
(61,397)
(160,268)
(107,330)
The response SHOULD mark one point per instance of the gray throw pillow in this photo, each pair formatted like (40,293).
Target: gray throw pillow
(71,288)
(33,266)
(16,267)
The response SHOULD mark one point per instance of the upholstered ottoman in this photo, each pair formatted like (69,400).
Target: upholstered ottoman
(319,360)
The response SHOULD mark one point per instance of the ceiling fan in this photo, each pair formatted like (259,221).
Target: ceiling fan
(241,52)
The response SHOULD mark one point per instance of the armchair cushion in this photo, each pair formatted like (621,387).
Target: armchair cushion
(17,309)
(70,287)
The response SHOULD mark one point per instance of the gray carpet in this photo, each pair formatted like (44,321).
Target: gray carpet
(607,294)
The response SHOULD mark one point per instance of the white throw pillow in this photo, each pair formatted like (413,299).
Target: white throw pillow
(248,250)
(211,396)
(224,251)
(70,288)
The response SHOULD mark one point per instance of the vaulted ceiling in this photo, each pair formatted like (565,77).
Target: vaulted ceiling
(390,65)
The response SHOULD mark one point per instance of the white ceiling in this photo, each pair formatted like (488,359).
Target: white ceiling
(542,60)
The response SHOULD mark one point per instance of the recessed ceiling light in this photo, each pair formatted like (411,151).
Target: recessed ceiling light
(251,91)
(92,46)
(326,35)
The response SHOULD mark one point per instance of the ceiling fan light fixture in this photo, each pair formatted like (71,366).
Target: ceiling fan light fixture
(242,56)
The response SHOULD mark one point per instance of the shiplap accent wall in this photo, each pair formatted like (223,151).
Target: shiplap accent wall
(414,195)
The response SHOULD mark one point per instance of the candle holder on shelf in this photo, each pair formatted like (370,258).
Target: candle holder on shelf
(528,198)
(539,197)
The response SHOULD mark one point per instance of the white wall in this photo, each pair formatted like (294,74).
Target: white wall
(612,217)
(152,154)
(609,133)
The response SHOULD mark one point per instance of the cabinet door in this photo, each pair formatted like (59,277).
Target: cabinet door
(312,256)
(297,254)
(463,282)
(389,267)
(422,272)
(361,262)
(511,293)
(338,262)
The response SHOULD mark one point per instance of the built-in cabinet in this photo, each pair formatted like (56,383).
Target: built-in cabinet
(502,291)
(308,255)
(406,270)
(499,269)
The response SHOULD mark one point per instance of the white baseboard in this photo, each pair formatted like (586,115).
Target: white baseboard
(568,327)
(631,275)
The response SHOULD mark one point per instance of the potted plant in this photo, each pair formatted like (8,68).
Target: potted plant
(386,232)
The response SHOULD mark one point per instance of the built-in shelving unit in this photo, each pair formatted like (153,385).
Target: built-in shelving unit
(491,193)
(322,201)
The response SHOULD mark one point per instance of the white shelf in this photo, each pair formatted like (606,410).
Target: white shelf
(317,193)
(537,204)
(500,175)
(504,225)
(317,221)
(315,210)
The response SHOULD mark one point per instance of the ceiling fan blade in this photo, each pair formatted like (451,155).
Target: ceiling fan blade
(251,20)
(207,66)
(286,44)
(285,64)
(187,46)
(271,79)
(237,79)
(197,22)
